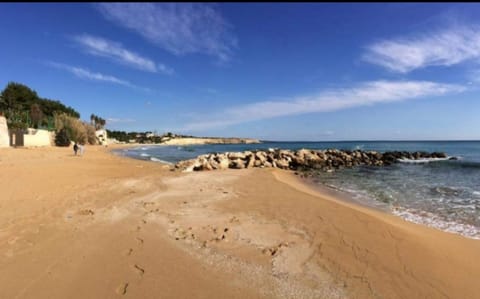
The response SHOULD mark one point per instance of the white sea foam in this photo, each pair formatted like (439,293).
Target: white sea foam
(423,160)
(144,155)
(432,220)
(158,160)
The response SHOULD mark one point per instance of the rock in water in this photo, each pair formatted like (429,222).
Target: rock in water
(325,160)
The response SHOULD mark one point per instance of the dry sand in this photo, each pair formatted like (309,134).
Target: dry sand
(103,226)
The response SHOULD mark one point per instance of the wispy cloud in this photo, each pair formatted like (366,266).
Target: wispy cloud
(368,93)
(89,75)
(442,48)
(180,28)
(106,48)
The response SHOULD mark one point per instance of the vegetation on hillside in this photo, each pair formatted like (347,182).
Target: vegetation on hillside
(23,108)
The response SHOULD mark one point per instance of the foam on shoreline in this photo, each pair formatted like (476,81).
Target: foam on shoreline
(153,159)
(434,221)
(423,160)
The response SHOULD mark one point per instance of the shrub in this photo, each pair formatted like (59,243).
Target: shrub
(76,130)
(91,137)
(61,138)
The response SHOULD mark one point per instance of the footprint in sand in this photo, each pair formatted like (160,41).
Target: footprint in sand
(86,212)
(275,249)
(234,219)
(151,211)
(139,240)
(139,270)
(122,289)
(146,204)
(222,236)
(129,252)
(181,234)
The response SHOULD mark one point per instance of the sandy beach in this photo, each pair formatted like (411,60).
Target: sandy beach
(105,226)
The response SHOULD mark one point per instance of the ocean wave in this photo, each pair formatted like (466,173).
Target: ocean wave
(158,160)
(434,221)
(186,148)
(359,147)
(423,160)
(144,155)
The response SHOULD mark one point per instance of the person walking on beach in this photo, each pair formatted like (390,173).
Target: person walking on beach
(75,148)
(81,148)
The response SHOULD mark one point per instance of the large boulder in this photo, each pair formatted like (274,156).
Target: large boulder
(261,156)
(251,161)
(234,156)
(223,162)
(282,163)
(237,164)
(438,155)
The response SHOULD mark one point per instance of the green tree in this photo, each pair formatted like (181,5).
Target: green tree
(17,96)
(61,138)
(21,105)
(36,115)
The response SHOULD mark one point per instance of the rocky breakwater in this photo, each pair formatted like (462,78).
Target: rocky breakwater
(303,159)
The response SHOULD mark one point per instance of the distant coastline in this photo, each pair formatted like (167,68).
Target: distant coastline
(214,140)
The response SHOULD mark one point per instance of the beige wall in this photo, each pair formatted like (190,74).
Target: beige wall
(38,138)
(4,137)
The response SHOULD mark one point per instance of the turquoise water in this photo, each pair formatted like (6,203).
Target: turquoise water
(442,194)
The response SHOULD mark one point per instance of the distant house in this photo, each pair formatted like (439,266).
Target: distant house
(102,136)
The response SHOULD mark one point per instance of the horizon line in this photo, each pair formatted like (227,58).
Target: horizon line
(375,140)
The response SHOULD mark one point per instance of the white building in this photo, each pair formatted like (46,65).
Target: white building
(102,136)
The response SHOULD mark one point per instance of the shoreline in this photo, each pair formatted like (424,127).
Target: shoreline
(102,225)
(465,230)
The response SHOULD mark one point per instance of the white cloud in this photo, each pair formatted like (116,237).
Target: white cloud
(180,28)
(86,74)
(113,50)
(441,48)
(368,93)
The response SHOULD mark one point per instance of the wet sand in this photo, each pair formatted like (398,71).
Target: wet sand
(104,226)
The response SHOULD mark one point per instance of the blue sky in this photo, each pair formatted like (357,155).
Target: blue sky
(270,71)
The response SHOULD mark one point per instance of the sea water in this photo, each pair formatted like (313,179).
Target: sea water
(440,194)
